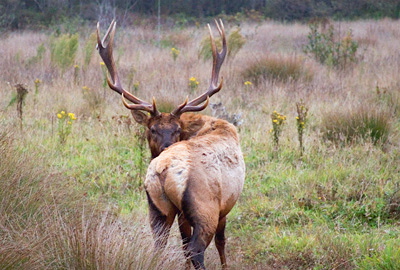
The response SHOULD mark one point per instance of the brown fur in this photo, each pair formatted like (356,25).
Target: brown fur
(199,179)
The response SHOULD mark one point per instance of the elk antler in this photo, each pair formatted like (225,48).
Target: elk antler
(106,53)
(218,59)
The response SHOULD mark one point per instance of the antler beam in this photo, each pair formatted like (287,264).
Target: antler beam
(106,53)
(218,59)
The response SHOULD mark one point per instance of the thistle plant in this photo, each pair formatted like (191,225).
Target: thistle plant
(193,84)
(65,121)
(20,99)
(278,120)
(175,53)
(301,120)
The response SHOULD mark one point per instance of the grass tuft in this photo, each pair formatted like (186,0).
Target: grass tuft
(360,123)
(277,68)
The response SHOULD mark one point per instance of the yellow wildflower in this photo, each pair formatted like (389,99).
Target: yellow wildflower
(72,116)
(59,116)
(174,51)
(247,83)
(102,64)
(193,82)
(62,113)
(69,123)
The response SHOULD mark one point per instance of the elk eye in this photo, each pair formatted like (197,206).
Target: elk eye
(178,130)
(153,130)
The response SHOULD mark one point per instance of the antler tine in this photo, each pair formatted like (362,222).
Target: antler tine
(106,53)
(142,107)
(199,108)
(218,60)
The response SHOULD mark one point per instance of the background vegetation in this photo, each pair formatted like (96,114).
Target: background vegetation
(72,164)
(20,14)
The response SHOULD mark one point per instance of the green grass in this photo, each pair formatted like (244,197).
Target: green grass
(335,206)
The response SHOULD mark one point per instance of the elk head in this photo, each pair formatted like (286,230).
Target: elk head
(163,129)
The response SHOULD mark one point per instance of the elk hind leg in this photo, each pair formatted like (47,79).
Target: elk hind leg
(160,224)
(186,233)
(220,241)
(201,238)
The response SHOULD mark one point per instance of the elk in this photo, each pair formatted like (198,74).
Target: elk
(197,169)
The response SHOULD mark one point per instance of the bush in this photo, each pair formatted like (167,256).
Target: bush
(63,50)
(329,48)
(277,68)
(349,126)
(89,49)
(235,42)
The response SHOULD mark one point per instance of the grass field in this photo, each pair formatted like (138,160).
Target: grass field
(72,160)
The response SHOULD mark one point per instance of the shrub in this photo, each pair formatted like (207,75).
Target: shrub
(235,42)
(63,50)
(89,49)
(329,48)
(348,126)
(277,68)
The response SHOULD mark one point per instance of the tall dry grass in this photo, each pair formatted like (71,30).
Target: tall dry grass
(82,204)
(46,224)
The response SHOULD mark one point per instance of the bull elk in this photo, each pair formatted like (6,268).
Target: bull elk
(197,169)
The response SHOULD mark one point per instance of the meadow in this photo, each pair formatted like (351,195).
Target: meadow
(72,160)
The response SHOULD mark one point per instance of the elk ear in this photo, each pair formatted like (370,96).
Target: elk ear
(140,117)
